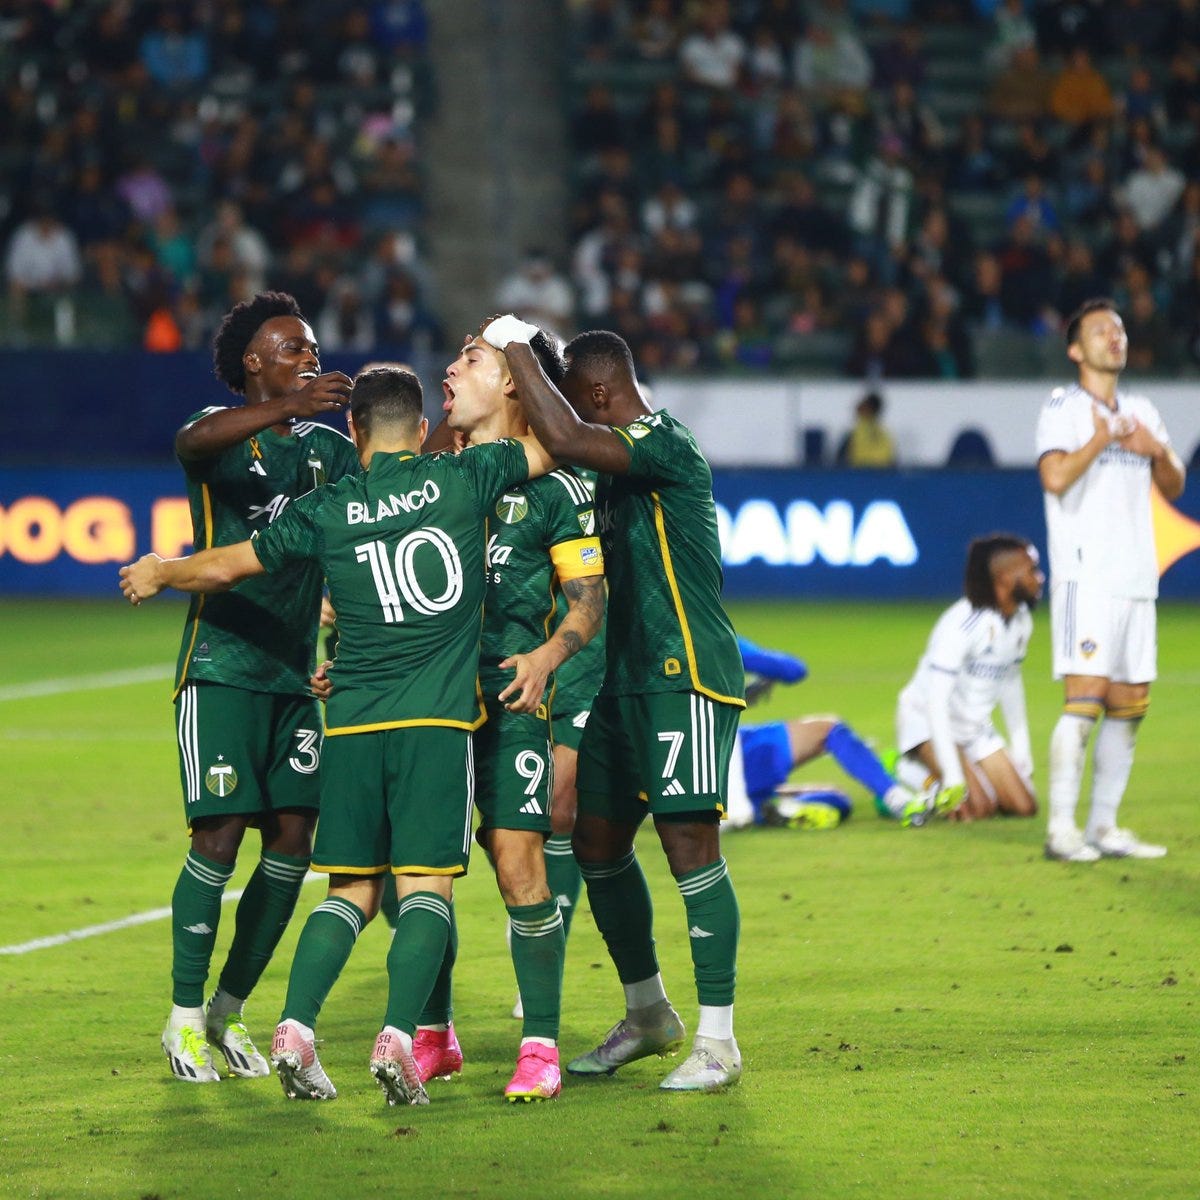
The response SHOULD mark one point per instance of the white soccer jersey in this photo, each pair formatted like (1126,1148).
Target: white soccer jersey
(981,651)
(1099,530)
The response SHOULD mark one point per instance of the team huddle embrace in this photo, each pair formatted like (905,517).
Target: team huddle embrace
(469,569)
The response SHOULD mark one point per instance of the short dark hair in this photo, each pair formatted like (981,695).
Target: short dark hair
(600,351)
(237,331)
(872,402)
(1095,304)
(548,351)
(978,584)
(386,396)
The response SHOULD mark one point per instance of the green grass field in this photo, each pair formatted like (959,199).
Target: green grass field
(925,1013)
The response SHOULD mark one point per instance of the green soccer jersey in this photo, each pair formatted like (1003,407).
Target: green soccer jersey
(402,548)
(261,636)
(540,534)
(578,680)
(667,629)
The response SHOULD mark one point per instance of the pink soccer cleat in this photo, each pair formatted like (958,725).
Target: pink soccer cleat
(437,1053)
(393,1066)
(537,1076)
(294,1056)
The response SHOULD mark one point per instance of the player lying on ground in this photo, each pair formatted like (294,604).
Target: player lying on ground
(766,755)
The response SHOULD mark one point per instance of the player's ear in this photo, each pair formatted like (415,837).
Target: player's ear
(350,428)
(422,431)
(600,396)
(1074,353)
(251,362)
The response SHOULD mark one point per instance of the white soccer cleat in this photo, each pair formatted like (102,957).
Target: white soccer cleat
(230,1035)
(714,1063)
(1123,843)
(1068,845)
(518,1008)
(294,1055)
(189,1055)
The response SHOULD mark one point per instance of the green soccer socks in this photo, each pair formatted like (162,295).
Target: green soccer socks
(620,904)
(325,943)
(263,913)
(713,926)
(416,957)
(563,877)
(538,949)
(195,915)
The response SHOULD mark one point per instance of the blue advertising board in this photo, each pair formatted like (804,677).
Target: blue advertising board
(784,533)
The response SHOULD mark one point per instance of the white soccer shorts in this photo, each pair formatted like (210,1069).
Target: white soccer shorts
(976,739)
(1113,637)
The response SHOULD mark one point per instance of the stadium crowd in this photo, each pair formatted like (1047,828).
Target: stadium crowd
(887,188)
(162,162)
(878,188)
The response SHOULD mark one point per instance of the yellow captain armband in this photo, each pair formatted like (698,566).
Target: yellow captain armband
(1129,712)
(575,559)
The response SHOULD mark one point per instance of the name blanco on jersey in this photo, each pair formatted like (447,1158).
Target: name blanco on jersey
(358,512)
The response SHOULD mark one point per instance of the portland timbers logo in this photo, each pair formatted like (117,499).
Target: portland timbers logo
(220,778)
(512,507)
(587,521)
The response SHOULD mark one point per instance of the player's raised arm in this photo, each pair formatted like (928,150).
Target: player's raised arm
(563,436)
(214,570)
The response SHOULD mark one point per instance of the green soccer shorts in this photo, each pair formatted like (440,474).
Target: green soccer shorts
(514,771)
(246,753)
(659,753)
(568,726)
(398,799)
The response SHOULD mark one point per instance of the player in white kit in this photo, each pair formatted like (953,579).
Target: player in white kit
(971,664)
(1098,450)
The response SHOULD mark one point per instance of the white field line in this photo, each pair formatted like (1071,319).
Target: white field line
(85,683)
(142,918)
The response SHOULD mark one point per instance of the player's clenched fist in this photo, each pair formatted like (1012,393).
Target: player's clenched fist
(326,393)
(140,580)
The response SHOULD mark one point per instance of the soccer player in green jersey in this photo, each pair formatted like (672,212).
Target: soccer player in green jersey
(402,548)
(249,731)
(662,728)
(541,540)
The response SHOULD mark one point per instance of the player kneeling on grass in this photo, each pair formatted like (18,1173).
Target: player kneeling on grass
(403,549)
(972,663)
(765,755)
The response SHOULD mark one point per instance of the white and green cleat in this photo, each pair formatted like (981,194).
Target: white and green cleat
(654,1030)
(189,1055)
(713,1064)
(230,1035)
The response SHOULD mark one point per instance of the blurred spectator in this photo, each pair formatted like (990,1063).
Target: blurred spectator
(1014,30)
(247,248)
(400,27)
(1033,203)
(1152,190)
(144,190)
(881,203)
(174,55)
(900,59)
(1142,100)
(1136,28)
(712,55)
(831,64)
(345,322)
(655,31)
(1027,284)
(1079,280)
(869,443)
(537,293)
(974,164)
(982,305)
(1022,88)
(43,257)
(597,126)
(1151,343)
(669,208)
(746,341)
(1080,93)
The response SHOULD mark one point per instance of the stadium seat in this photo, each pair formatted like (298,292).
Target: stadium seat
(971,451)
